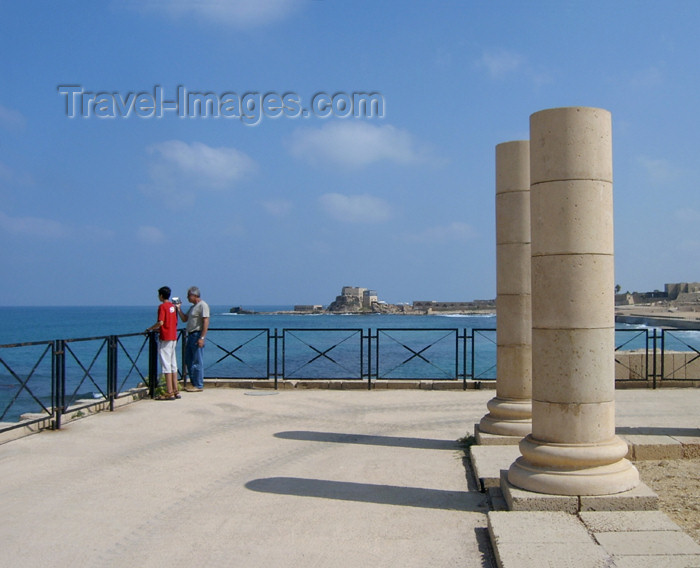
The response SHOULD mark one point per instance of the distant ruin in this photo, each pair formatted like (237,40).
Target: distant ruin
(677,293)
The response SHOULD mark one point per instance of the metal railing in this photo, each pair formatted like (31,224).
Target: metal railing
(47,380)
(43,381)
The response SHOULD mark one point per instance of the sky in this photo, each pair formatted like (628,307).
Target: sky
(272,152)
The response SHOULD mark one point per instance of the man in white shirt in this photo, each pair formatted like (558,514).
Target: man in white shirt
(197,319)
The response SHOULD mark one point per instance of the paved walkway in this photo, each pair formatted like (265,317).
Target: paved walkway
(238,478)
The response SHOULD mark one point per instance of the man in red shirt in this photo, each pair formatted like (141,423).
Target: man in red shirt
(167,352)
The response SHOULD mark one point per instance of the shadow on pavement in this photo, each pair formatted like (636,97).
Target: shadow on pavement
(389,441)
(371,493)
(657,431)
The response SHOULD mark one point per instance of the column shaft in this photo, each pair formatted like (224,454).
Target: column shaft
(573,449)
(510,410)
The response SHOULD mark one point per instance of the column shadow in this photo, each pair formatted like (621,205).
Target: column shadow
(657,431)
(371,493)
(388,441)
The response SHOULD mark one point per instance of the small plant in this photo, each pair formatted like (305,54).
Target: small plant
(466,442)
(78,414)
(161,389)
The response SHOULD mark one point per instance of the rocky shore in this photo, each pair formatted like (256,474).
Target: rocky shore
(666,315)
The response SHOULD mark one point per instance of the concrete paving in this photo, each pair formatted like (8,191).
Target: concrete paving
(248,478)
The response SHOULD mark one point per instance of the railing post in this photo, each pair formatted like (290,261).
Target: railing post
(662,354)
(111,370)
(59,381)
(369,358)
(275,339)
(464,358)
(152,364)
(473,348)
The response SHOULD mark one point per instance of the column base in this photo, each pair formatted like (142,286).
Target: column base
(507,417)
(576,469)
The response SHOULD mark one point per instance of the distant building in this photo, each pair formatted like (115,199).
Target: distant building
(683,291)
(354,299)
(369,297)
(676,292)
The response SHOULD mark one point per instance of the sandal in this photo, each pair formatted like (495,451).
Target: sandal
(165,397)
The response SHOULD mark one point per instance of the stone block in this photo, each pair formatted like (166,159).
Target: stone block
(353,385)
(569,291)
(574,423)
(515,310)
(638,365)
(641,498)
(513,270)
(690,444)
(395,384)
(515,176)
(486,439)
(668,365)
(521,500)
(489,461)
(647,543)
(692,366)
(569,208)
(444,385)
(529,539)
(649,447)
(571,143)
(561,555)
(622,366)
(627,521)
(681,561)
(546,527)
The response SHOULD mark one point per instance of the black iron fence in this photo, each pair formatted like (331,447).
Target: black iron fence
(43,381)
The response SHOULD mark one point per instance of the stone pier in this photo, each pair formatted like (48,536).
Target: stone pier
(573,449)
(510,411)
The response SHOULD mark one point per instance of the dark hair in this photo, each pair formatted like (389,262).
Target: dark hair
(164,292)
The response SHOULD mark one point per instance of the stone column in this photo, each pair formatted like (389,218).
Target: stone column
(510,411)
(573,449)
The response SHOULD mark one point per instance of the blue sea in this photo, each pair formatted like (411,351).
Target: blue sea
(242,346)
(27,324)
(259,346)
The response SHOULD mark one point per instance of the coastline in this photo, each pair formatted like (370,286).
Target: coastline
(664,316)
(473,312)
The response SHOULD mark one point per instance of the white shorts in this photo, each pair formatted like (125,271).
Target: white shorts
(167,356)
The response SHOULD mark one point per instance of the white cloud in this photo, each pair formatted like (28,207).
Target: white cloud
(235,13)
(454,232)
(180,170)
(659,171)
(11,119)
(150,235)
(500,63)
(32,227)
(355,208)
(357,144)
(278,207)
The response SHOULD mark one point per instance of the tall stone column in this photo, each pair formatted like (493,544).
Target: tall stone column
(510,411)
(573,449)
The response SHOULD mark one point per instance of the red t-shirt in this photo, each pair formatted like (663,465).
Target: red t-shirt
(168,315)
